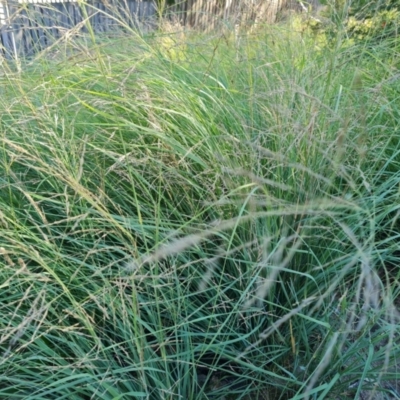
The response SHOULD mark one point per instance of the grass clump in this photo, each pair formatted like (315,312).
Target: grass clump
(218,225)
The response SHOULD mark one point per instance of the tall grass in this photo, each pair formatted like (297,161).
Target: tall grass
(219,221)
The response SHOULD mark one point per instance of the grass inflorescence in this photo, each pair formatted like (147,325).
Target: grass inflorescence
(217,221)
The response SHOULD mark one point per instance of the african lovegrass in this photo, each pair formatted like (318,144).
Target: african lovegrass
(219,226)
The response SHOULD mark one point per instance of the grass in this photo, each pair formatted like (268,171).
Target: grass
(217,221)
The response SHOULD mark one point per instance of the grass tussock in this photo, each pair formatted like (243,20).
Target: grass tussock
(200,217)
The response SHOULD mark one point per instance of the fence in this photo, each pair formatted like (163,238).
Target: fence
(208,14)
(32,26)
(27,26)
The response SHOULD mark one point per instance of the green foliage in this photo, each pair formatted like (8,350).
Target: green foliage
(364,20)
(223,226)
(367,9)
(381,24)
